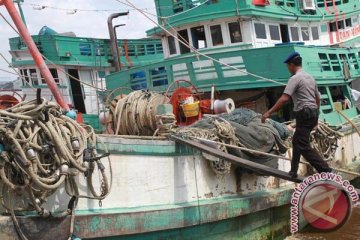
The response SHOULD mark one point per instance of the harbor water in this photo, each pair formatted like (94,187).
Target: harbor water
(351,231)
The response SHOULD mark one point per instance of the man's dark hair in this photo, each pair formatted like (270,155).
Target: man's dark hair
(297,61)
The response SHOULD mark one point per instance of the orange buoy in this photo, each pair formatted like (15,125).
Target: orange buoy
(7,101)
(261,2)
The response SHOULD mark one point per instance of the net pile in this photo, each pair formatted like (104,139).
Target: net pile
(242,128)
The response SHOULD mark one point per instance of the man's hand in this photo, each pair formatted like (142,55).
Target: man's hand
(282,100)
(265,116)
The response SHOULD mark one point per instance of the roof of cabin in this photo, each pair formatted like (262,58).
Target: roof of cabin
(178,13)
(89,52)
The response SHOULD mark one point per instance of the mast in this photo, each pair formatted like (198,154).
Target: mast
(21,10)
(34,51)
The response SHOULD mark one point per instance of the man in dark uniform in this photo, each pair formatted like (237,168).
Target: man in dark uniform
(303,90)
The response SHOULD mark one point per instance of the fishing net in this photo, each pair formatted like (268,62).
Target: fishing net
(242,128)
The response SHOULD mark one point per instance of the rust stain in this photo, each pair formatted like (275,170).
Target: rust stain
(209,195)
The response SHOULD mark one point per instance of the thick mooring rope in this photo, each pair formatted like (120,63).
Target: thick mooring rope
(41,150)
(222,132)
(325,141)
(136,114)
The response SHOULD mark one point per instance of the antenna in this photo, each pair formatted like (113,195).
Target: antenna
(18,2)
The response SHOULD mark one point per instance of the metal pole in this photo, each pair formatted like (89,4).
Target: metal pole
(113,40)
(116,42)
(36,55)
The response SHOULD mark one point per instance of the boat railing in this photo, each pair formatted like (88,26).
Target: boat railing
(92,52)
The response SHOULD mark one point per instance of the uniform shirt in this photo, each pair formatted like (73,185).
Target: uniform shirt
(303,90)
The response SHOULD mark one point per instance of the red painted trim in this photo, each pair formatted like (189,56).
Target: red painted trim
(126,48)
(336,19)
(260,2)
(331,37)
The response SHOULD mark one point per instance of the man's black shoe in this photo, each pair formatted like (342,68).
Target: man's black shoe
(293,174)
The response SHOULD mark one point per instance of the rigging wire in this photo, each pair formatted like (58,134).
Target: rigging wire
(7,21)
(22,77)
(196,51)
(39,7)
(6,71)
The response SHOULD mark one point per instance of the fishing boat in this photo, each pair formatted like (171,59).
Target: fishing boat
(167,188)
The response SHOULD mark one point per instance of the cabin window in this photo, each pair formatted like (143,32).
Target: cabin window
(355,20)
(274,32)
(150,49)
(199,37)
(138,80)
(101,74)
(235,32)
(260,31)
(294,34)
(184,36)
(324,28)
(159,48)
(305,34)
(332,27)
(158,76)
(99,50)
(25,77)
(131,50)
(140,50)
(348,22)
(54,74)
(315,33)
(34,77)
(85,49)
(172,46)
(216,35)
(341,24)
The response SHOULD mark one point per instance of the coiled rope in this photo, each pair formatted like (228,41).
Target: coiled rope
(325,141)
(42,149)
(221,132)
(136,114)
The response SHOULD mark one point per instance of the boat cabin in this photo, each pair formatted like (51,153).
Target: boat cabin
(79,66)
(243,44)
(256,30)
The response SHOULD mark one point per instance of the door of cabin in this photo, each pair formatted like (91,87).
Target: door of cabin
(77,91)
(284,30)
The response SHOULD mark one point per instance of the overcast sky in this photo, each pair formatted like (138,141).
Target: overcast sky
(83,24)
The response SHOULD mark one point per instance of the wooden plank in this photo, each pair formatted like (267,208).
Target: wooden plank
(256,167)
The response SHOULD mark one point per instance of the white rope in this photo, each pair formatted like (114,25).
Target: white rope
(136,114)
